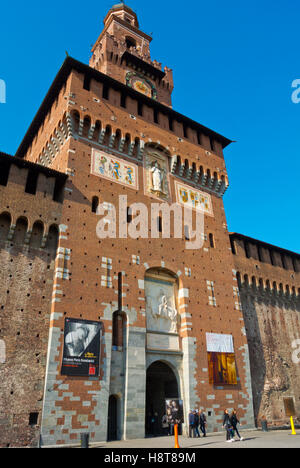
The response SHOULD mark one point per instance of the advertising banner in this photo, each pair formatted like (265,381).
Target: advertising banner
(81,354)
(219,343)
(174,411)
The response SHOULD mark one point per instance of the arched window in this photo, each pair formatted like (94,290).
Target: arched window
(107,135)
(37,235)
(52,239)
(130,42)
(20,231)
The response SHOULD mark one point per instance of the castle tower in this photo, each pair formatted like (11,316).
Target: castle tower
(122,51)
(158,309)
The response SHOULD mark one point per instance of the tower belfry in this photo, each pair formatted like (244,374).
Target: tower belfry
(122,51)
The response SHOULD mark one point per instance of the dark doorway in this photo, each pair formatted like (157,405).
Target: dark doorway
(112,423)
(161,384)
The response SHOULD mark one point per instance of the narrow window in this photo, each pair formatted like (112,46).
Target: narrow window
(232,246)
(31,182)
(86,82)
(123,100)
(105,90)
(4,173)
(58,194)
(33,419)
(211,241)
(140,108)
(159,223)
(184,131)
(95,203)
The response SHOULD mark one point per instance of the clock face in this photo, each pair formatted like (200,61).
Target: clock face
(141,84)
(142,87)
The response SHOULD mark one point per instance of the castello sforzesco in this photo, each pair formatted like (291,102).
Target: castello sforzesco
(121,286)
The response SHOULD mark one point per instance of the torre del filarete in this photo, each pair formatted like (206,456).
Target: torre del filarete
(98,331)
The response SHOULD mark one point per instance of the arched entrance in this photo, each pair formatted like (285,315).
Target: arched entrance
(112,423)
(161,384)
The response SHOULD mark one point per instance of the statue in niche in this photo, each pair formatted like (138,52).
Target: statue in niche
(157,177)
(156,164)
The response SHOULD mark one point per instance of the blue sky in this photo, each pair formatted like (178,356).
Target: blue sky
(233,62)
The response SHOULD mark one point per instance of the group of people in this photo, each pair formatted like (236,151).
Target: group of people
(197,422)
(230,422)
(197,419)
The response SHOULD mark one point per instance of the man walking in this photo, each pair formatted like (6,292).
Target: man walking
(191,424)
(202,422)
(196,423)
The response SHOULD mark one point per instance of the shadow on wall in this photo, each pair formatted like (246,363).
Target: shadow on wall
(270,321)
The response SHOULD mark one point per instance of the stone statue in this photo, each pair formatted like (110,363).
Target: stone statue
(157,177)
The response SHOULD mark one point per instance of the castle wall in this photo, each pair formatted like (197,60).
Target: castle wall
(28,241)
(269,295)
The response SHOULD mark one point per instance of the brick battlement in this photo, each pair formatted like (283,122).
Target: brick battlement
(264,267)
(29,178)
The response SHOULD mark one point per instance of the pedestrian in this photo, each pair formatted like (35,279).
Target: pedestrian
(191,424)
(151,423)
(196,423)
(202,422)
(227,426)
(234,422)
(165,424)
(156,424)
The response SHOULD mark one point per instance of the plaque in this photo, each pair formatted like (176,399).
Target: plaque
(164,342)
(289,407)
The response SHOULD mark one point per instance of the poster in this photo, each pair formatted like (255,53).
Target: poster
(81,354)
(174,411)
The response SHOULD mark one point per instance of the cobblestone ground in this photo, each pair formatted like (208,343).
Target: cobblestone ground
(252,439)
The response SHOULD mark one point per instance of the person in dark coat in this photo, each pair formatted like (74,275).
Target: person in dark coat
(196,423)
(234,422)
(202,422)
(191,424)
(227,426)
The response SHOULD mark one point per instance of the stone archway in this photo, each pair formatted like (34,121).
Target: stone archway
(161,384)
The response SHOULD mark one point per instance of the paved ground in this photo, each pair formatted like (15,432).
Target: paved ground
(253,439)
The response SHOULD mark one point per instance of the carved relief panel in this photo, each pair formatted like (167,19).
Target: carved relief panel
(161,306)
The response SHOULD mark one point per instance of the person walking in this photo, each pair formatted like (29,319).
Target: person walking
(196,423)
(234,422)
(227,426)
(202,422)
(191,424)
(165,425)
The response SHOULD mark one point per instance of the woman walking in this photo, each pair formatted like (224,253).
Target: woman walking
(234,422)
(227,426)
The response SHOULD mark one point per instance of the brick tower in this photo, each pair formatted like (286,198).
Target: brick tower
(167,316)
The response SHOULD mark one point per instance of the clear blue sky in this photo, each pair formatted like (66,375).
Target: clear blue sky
(234,63)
